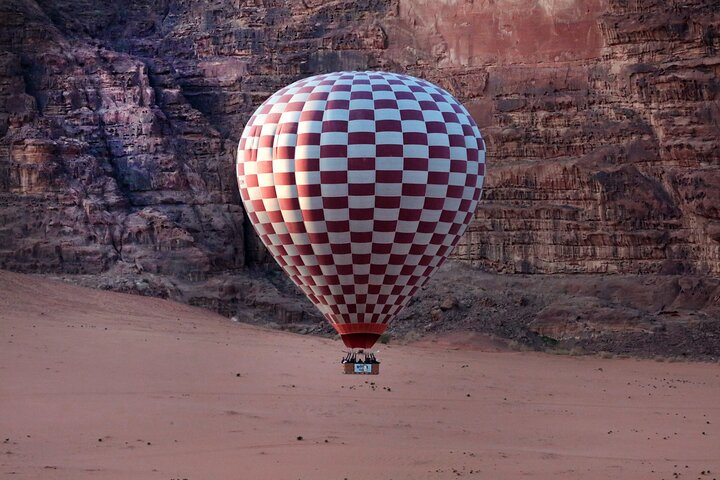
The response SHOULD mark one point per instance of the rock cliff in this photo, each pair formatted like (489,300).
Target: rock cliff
(119,122)
(102,161)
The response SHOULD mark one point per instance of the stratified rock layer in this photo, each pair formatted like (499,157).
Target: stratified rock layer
(101,163)
(119,120)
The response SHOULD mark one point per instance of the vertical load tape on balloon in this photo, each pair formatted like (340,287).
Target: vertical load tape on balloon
(360,184)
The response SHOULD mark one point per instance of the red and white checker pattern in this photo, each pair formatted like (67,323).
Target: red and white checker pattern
(360,184)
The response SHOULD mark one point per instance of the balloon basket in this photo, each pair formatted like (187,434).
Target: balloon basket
(361,368)
(360,362)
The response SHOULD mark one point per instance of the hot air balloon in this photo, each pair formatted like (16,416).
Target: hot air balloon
(360,184)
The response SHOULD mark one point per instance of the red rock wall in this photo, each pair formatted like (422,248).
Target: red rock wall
(119,123)
(602,125)
(102,162)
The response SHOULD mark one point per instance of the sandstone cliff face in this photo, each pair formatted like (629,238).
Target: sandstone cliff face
(602,124)
(100,163)
(119,121)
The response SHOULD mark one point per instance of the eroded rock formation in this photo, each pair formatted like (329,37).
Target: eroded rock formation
(102,162)
(119,122)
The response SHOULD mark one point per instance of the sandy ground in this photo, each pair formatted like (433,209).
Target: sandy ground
(103,385)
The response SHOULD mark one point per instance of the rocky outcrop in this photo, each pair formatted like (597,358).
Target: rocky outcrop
(602,122)
(602,125)
(119,124)
(645,315)
(100,163)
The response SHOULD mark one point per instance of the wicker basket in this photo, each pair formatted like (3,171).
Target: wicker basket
(361,368)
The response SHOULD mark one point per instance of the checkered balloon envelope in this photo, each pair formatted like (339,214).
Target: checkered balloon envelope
(360,184)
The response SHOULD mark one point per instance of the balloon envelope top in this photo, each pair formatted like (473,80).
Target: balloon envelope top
(360,184)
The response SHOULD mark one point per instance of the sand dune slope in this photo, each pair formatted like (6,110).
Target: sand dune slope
(109,386)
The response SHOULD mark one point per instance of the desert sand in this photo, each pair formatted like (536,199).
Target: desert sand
(103,385)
